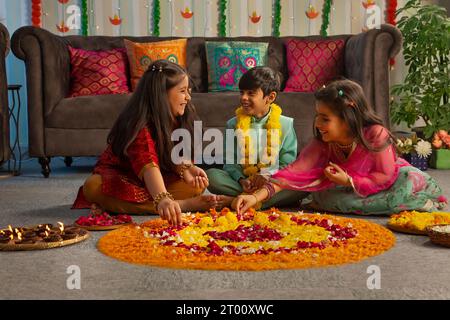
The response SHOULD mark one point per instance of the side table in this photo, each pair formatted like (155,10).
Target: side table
(17,160)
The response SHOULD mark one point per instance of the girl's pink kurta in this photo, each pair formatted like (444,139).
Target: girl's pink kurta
(371,172)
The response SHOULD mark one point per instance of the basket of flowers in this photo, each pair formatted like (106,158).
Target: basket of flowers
(415,150)
(440,234)
(440,157)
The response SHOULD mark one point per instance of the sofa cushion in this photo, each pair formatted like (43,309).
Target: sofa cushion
(141,55)
(228,61)
(312,64)
(98,72)
(88,112)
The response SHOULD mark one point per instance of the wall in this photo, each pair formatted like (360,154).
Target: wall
(347,16)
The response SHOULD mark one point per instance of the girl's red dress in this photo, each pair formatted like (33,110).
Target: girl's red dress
(120,177)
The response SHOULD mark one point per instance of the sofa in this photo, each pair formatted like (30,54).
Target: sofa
(5,151)
(73,127)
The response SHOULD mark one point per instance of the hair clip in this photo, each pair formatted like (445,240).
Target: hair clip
(160,69)
(324,86)
(341,93)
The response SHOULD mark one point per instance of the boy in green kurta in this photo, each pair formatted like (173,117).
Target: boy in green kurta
(258,90)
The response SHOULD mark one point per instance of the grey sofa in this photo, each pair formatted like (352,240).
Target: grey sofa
(60,126)
(5,152)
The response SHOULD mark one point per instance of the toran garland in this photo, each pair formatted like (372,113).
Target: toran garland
(36,13)
(222,18)
(391,8)
(156,17)
(276,18)
(84,18)
(325,18)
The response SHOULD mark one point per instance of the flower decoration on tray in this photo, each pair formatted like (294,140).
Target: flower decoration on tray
(415,150)
(256,240)
(99,221)
(43,236)
(415,222)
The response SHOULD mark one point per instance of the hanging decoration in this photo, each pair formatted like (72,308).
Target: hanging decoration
(116,20)
(276,18)
(84,18)
(222,18)
(156,17)
(62,27)
(187,14)
(325,18)
(391,8)
(36,13)
(311,13)
(254,17)
(368,4)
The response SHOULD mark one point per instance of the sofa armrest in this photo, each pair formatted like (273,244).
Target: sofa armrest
(47,64)
(367,62)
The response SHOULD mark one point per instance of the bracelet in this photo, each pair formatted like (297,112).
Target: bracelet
(160,196)
(184,166)
(270,190)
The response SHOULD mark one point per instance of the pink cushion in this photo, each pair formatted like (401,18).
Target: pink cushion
(98,72)
(311,64)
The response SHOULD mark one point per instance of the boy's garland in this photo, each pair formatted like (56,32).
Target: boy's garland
(276,18)
(246,146)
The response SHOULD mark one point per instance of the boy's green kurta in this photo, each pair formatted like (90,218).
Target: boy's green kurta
(287,152)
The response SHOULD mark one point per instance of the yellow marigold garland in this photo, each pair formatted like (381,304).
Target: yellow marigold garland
(133,244)
(245,143)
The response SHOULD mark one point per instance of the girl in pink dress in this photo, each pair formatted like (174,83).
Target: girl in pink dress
(351,165)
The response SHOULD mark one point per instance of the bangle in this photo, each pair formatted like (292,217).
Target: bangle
(184,166)
(160,196)
(270,190)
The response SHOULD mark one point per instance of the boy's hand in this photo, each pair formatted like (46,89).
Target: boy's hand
(335,174)
(258,181)
(246,184)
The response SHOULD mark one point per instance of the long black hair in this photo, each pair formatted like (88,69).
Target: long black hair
(347,100)
(149,106)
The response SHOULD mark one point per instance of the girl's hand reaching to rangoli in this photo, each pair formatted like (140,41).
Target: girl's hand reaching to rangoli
(243,202)
(170,210)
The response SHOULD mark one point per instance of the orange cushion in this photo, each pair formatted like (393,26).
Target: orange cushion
(141,55)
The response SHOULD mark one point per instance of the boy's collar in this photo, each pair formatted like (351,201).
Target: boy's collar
(263,118)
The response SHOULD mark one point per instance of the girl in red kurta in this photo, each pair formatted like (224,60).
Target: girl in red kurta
(136,174)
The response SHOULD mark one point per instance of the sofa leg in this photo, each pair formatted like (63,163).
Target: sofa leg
(68,161)
(45,164)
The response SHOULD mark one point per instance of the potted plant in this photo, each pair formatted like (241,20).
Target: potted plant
(440,158)
(415,150)
(426,89)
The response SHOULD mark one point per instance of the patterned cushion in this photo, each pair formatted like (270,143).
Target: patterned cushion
(228,61)
(141,55)
(98,72)
(311,64)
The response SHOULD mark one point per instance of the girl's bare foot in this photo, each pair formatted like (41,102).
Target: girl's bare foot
(200,203)
(223,201)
